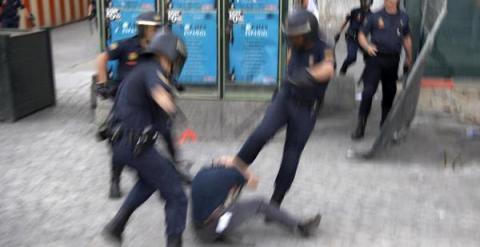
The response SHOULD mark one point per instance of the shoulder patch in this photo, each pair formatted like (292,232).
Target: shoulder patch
(132,56)
(381,23)
(113,46)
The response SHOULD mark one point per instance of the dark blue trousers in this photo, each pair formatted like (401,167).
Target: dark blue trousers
(352,50)
(299,119)
(155,173)
(379,68)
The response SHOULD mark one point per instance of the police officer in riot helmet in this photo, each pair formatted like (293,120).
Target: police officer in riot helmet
(142,110)
(389,31)
(296,105)
(355,20)
(127,53)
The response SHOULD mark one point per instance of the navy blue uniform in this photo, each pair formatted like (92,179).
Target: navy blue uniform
(135,110)
(126,53)
(387,33)
(356,19)
(9,15)
(210,189)
(294,107)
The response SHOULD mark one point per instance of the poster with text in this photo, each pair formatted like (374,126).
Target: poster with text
(253,51)
(198,29)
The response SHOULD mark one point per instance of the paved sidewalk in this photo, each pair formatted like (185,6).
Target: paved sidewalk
(54,178)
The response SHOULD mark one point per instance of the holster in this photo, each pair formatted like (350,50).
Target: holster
(142,141)
(109,130)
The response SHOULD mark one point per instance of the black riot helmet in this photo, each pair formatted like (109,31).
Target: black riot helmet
(167,44)
(148,19)
(301,23)
(366,4)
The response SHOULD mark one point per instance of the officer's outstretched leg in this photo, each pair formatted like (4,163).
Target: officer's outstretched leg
(352,49)
(116,173)
(389,88)
(137,196)
(275,118)
(371,78)
(301,123)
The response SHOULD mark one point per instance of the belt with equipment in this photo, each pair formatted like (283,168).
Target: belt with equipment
(141,140)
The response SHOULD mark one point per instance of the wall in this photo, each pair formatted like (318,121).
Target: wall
(457,48)
(50,13)
(457,98)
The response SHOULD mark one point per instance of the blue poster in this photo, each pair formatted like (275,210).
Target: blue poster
(254,49)
(198,29)
(203,5)
(264,5)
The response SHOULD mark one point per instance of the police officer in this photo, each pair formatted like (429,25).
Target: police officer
(217,214)
(389,31)
(9,13)
(310,68)
(127,53)
(355,20)
(142,109)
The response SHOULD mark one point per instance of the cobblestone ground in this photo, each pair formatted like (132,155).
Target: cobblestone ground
(54,178)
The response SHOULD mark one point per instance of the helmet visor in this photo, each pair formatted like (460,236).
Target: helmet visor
(181,58)
(290,30)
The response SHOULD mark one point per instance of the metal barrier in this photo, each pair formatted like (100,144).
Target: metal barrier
(403,112)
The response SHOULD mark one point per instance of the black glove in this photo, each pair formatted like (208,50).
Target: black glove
(179,87)
(103,90)
(406,69)
(107,89)
(302,78)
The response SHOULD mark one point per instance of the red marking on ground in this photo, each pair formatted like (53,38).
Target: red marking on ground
(438,83)
(187,134)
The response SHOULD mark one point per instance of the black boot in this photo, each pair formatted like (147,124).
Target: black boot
(343,69)
(308,227)
(115,191)
(276,200)
(277,197)
(174,242)
(360,130)
(113,231)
